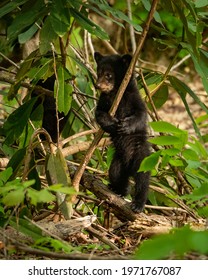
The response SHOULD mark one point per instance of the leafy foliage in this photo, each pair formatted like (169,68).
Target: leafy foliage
(57,72)
(169,245)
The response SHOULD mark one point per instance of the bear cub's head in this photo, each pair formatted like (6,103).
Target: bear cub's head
(111,70)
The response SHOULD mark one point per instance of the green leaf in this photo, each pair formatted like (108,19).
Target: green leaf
(30,12)
(172,244)
(57,169)
(14,197)
(26,36)
(61,189)
(176,162)
(147,6)
(170,152)
(36,118)
(40,69)
(199,148)
(57,173)
(160,97)
(47,36)
(199,193)
(63,91)
(201,65)
(25,66)
(150,162)
(41,196)
(203,211)
(9,7)
(182,90)
(165,140)
(16,161)
(87,24)
(16,121)
(116,13)
(5,175)
(60,17)
(190,154)
(201,3)
(165,127)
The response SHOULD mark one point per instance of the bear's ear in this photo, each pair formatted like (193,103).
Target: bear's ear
(98,56)
(126,58)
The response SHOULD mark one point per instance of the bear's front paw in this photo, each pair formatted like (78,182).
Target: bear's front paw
(123,127)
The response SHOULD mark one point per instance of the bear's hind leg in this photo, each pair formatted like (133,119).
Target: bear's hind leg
(141,191)
(118,177)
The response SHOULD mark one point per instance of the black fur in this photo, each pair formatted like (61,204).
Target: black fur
(49,105)
(127,128)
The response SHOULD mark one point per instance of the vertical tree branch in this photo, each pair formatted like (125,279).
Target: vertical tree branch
(83,164)
(131,28)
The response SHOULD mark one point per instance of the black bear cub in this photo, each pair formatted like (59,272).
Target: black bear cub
(127,128)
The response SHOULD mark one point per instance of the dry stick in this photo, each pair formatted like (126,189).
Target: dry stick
(80,170)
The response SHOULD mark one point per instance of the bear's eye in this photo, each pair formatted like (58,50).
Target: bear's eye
(108,76)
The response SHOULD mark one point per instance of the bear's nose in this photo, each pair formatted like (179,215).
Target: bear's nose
(98,85)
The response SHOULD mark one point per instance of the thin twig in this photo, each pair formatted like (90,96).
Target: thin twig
(9,60)
(131,28)
(77,135)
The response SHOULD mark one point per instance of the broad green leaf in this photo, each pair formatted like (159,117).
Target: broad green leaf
(16,161)
(201,65)
(40,69)
(33,174)
(16,121)
(160,97)
(182,90)
(165,140)
(203,211)
(173,244)
(57,169)
(5,175)
(165,127)
(63,91)
(14,197)
(9,7)
(147,6)
(47,36)
(190,154)
(36,119)
(201,192)
(170,152)
(60,17)
(61,189)
(116,13)
(176,162)
(201,3)
(150,162)
(199,148)
(87,24)
(41,196)
(26,36)
(25,66)
(153,79)
(31,12)
(57,173)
